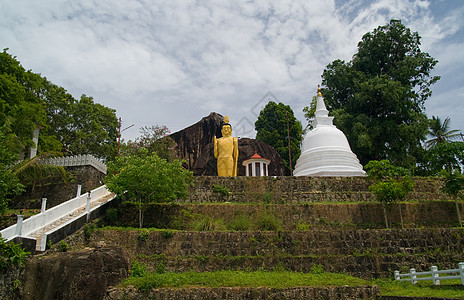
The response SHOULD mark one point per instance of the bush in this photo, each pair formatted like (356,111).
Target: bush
(240,222)
(207,223)
(112,215)
(11,254)
(143,235)
(63,246)
(223,190)
(268,222)
(138,270)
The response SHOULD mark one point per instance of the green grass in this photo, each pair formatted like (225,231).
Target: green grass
(447,289)
(275,279)
(285,279)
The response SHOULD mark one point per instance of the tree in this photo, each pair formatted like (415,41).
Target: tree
(378,97)
(271,128)
(454,184)
(21,107)
(391,184)
(310,112)
(94,129)
(439,132)
(147,178)
(153,138)
(448,157)
(69,126)
(9,183)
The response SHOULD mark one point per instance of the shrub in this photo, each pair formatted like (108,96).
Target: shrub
(138,270)
(63,246)
(11,254)
(143,235)
(240,222)
(112,215)
(207,223)
(223,190)
(268,222)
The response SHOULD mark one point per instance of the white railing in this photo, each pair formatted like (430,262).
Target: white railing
(434,275)
(77,160)
(40,220)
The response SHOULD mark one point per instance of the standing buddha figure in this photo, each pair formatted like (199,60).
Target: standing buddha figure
(226,151)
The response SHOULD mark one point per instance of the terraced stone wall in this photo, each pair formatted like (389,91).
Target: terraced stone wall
(288,189)
(363,253)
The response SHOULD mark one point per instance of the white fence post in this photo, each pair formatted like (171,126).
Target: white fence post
(79,189)
(19,225)
(412,271)
(435,275)
(87,207)
(461,272)
(44,205)
(397,275)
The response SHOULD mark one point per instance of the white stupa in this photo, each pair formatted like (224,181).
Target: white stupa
(325,150)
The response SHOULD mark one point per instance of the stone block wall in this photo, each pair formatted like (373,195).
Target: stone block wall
(301,189)
(362,253)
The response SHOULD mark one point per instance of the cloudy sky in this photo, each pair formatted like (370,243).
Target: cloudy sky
(173,62)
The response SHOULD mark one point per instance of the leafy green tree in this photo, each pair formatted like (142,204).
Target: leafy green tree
(310,112)
(70,126)
(378,97)
(94,130)
(147,178)
(454,185)
(153,138)
(9,183)
(443,157)
(440,132)
(391,184)
(271,128)
(21,107)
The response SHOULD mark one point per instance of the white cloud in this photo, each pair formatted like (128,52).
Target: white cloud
(158,60)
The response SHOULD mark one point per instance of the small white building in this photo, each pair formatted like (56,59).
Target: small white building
(257,165)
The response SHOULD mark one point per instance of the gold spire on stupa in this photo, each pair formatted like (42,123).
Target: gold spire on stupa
(319,90)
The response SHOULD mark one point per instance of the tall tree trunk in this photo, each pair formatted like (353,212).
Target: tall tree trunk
(385,215)
(458,211)
(401,216)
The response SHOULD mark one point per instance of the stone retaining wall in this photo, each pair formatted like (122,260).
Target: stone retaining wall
(301,189)
(297,293)
(366,215)
(362,253)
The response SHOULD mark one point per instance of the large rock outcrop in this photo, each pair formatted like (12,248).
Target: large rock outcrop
(84,274)
(194,144)
(192,140)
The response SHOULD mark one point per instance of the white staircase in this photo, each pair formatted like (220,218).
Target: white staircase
(40,226)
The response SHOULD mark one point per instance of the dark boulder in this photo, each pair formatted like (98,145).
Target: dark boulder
(84,274)
(193,140)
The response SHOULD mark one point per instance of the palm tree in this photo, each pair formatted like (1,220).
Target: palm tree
(439,132)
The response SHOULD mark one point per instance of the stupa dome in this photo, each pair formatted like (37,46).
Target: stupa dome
(325,151)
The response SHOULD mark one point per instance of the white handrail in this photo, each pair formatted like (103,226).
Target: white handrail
(77,160)
(50,215)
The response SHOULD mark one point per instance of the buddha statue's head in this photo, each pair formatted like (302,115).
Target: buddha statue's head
(226,128)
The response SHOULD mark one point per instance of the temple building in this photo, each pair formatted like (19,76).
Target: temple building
(325,151)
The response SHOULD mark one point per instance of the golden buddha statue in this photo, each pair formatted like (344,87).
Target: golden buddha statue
(226,151)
